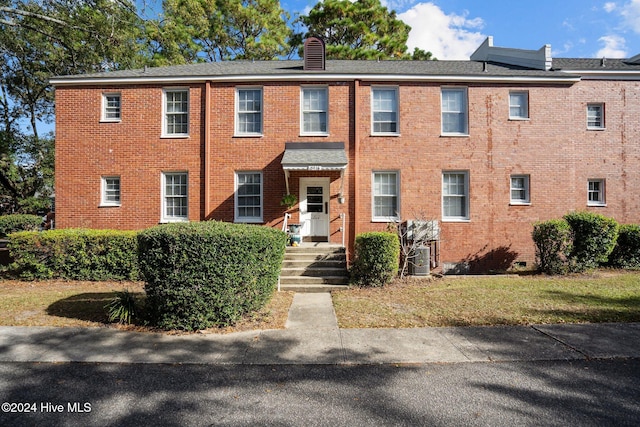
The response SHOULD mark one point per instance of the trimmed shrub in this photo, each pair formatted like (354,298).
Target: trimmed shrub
(376,259)
(75,254)
(626,254)
(204,274)
(553,243)
(18,222)
(594,237)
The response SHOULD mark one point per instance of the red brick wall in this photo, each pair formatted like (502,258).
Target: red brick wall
(553,147)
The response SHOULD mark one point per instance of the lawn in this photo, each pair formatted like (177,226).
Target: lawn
(603,296)
(77,303)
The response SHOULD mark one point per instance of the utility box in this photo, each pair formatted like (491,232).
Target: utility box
(420,262)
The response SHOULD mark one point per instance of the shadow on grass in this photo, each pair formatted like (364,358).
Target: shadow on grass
(87,306)
(594,308)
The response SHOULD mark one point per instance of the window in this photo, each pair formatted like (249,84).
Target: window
(110,191)
(248,197)
(249,112)
(519,189)
(385,196)
(518,105)
(176,112)
(110,107)
(455,196)
(454,112)
(314,110)
(596,192)
(384,110)
(175,197)
(595,116)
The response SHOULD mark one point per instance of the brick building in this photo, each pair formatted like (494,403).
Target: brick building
(486,146)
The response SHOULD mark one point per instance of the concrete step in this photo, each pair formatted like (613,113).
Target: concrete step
(315,257)
(307,288)
(314,249)
(313,271)
(311,280)
(314,263)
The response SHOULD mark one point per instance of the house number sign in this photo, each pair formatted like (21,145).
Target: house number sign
(314,168)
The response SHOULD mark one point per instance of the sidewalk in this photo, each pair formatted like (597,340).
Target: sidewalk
(312,336)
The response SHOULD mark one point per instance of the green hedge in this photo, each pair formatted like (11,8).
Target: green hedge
(626,254)
(594,237)
(75,254)
(553,244)
(205,274)
(376,259)
(18,222)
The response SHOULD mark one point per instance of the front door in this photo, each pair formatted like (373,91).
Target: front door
(314,209)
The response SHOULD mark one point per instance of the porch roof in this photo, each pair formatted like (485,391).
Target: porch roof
(314,156)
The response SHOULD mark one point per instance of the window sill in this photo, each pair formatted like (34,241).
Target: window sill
(248,221)
(386,219)
(519,119)
(176,136)
(111,121)
(596,129)
(454,135)
(168,221)
(109,205)
(520,204)
(248,135)
(596,205)
(459,220)
(317,135)
(385,134)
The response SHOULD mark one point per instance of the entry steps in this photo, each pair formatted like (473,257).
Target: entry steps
(314,268)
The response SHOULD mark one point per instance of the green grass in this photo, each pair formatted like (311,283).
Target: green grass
(604,296)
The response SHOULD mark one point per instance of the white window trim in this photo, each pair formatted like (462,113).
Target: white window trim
(526,95)
(103,113)
(164,112)
(103,192)
(302,111)
(243,219)
(164,218)
(397,92)
(465,91)
(467,196)
(602,116)
(527,190)
(375,218)
(603,193)
(236,132)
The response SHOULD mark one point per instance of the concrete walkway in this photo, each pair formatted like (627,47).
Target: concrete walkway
(312,336)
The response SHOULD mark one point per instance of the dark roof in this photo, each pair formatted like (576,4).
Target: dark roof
(594,64)
(294,68)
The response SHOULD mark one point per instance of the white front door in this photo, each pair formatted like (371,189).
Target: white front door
(314,208)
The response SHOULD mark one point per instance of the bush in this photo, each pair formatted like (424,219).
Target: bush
(594,237)
(553,243)
(205,274)
(376,259)
(18,222)
(626,253)
(75,254)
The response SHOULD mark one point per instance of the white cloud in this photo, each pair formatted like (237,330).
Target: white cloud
(609,6)
(614,47)
(631,15)
(445,36)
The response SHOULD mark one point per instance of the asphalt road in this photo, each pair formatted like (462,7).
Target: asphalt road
(556,393)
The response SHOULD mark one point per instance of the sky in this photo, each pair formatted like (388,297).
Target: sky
(453,29)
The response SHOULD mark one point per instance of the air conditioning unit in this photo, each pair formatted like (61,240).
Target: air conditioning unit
(422,230)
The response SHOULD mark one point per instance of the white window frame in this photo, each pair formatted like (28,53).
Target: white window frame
(395,110)
(107,193)
(465,196)
(601,200)
(166,113)
(238,112)
(519,201)
(463,111)
(591,118)
(236,213)
(108,110)
(311,111)
(379,218)
(174,218)
(522,105)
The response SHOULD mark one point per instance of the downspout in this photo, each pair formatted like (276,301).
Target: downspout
(207,148)
(356,166)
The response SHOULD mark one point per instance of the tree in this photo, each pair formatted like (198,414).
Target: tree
(217,30)
(363,29)
(40,39)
